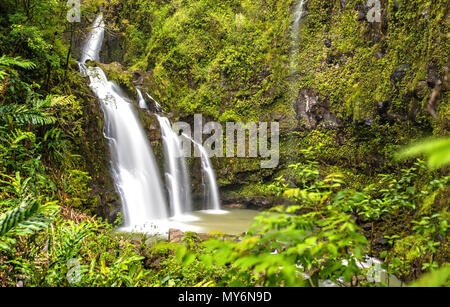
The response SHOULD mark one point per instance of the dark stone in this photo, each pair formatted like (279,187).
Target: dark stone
(367,226)
(138,78)
(113,48)
(433,75)
(361,15)
(328,42)
(382,110)
(362,11)
(312,111)
(400,73)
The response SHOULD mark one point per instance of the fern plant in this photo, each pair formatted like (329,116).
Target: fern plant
(28,217)
(24,114)
(7,64)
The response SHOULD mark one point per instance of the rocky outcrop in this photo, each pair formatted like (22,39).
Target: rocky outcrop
(312,112)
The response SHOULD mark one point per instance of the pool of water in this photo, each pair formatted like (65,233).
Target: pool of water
(232,221)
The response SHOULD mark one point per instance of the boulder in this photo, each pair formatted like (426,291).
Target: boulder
(175,235)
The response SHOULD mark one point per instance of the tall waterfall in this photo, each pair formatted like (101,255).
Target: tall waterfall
(298,14)
(176,171)
(134,169)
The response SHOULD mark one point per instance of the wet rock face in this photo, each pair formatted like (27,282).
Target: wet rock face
(311,111)
(362,11)
(113,48)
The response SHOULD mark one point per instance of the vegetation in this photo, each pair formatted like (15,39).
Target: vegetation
(347,188)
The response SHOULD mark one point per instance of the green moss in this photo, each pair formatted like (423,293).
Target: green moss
(116,72)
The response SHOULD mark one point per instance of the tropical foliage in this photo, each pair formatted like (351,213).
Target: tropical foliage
(345,190)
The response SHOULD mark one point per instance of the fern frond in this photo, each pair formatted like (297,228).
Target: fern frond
(24,220)
(7,62)
(24,115)
(16,216)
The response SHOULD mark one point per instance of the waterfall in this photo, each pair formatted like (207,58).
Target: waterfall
(157,105)
(134,170)
(211,190)
(177,178)
(94,42)
(141,100)
(298,14)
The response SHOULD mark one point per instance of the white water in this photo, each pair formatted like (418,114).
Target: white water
(141,100)
(298,14)
(157,105)
(212,198)
(177,178)
(133,165)
(91,49)
(212,195)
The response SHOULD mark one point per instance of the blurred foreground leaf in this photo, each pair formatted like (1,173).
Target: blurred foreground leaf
(436,151)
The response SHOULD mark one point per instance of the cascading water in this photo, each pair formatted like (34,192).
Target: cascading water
(177,174)
(134,170)
(133,164)
(93,45)
(157,105)
(176,171)
(211,191)
(298,14)
(141,100)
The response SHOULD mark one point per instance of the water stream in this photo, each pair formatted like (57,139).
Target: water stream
(298,14)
